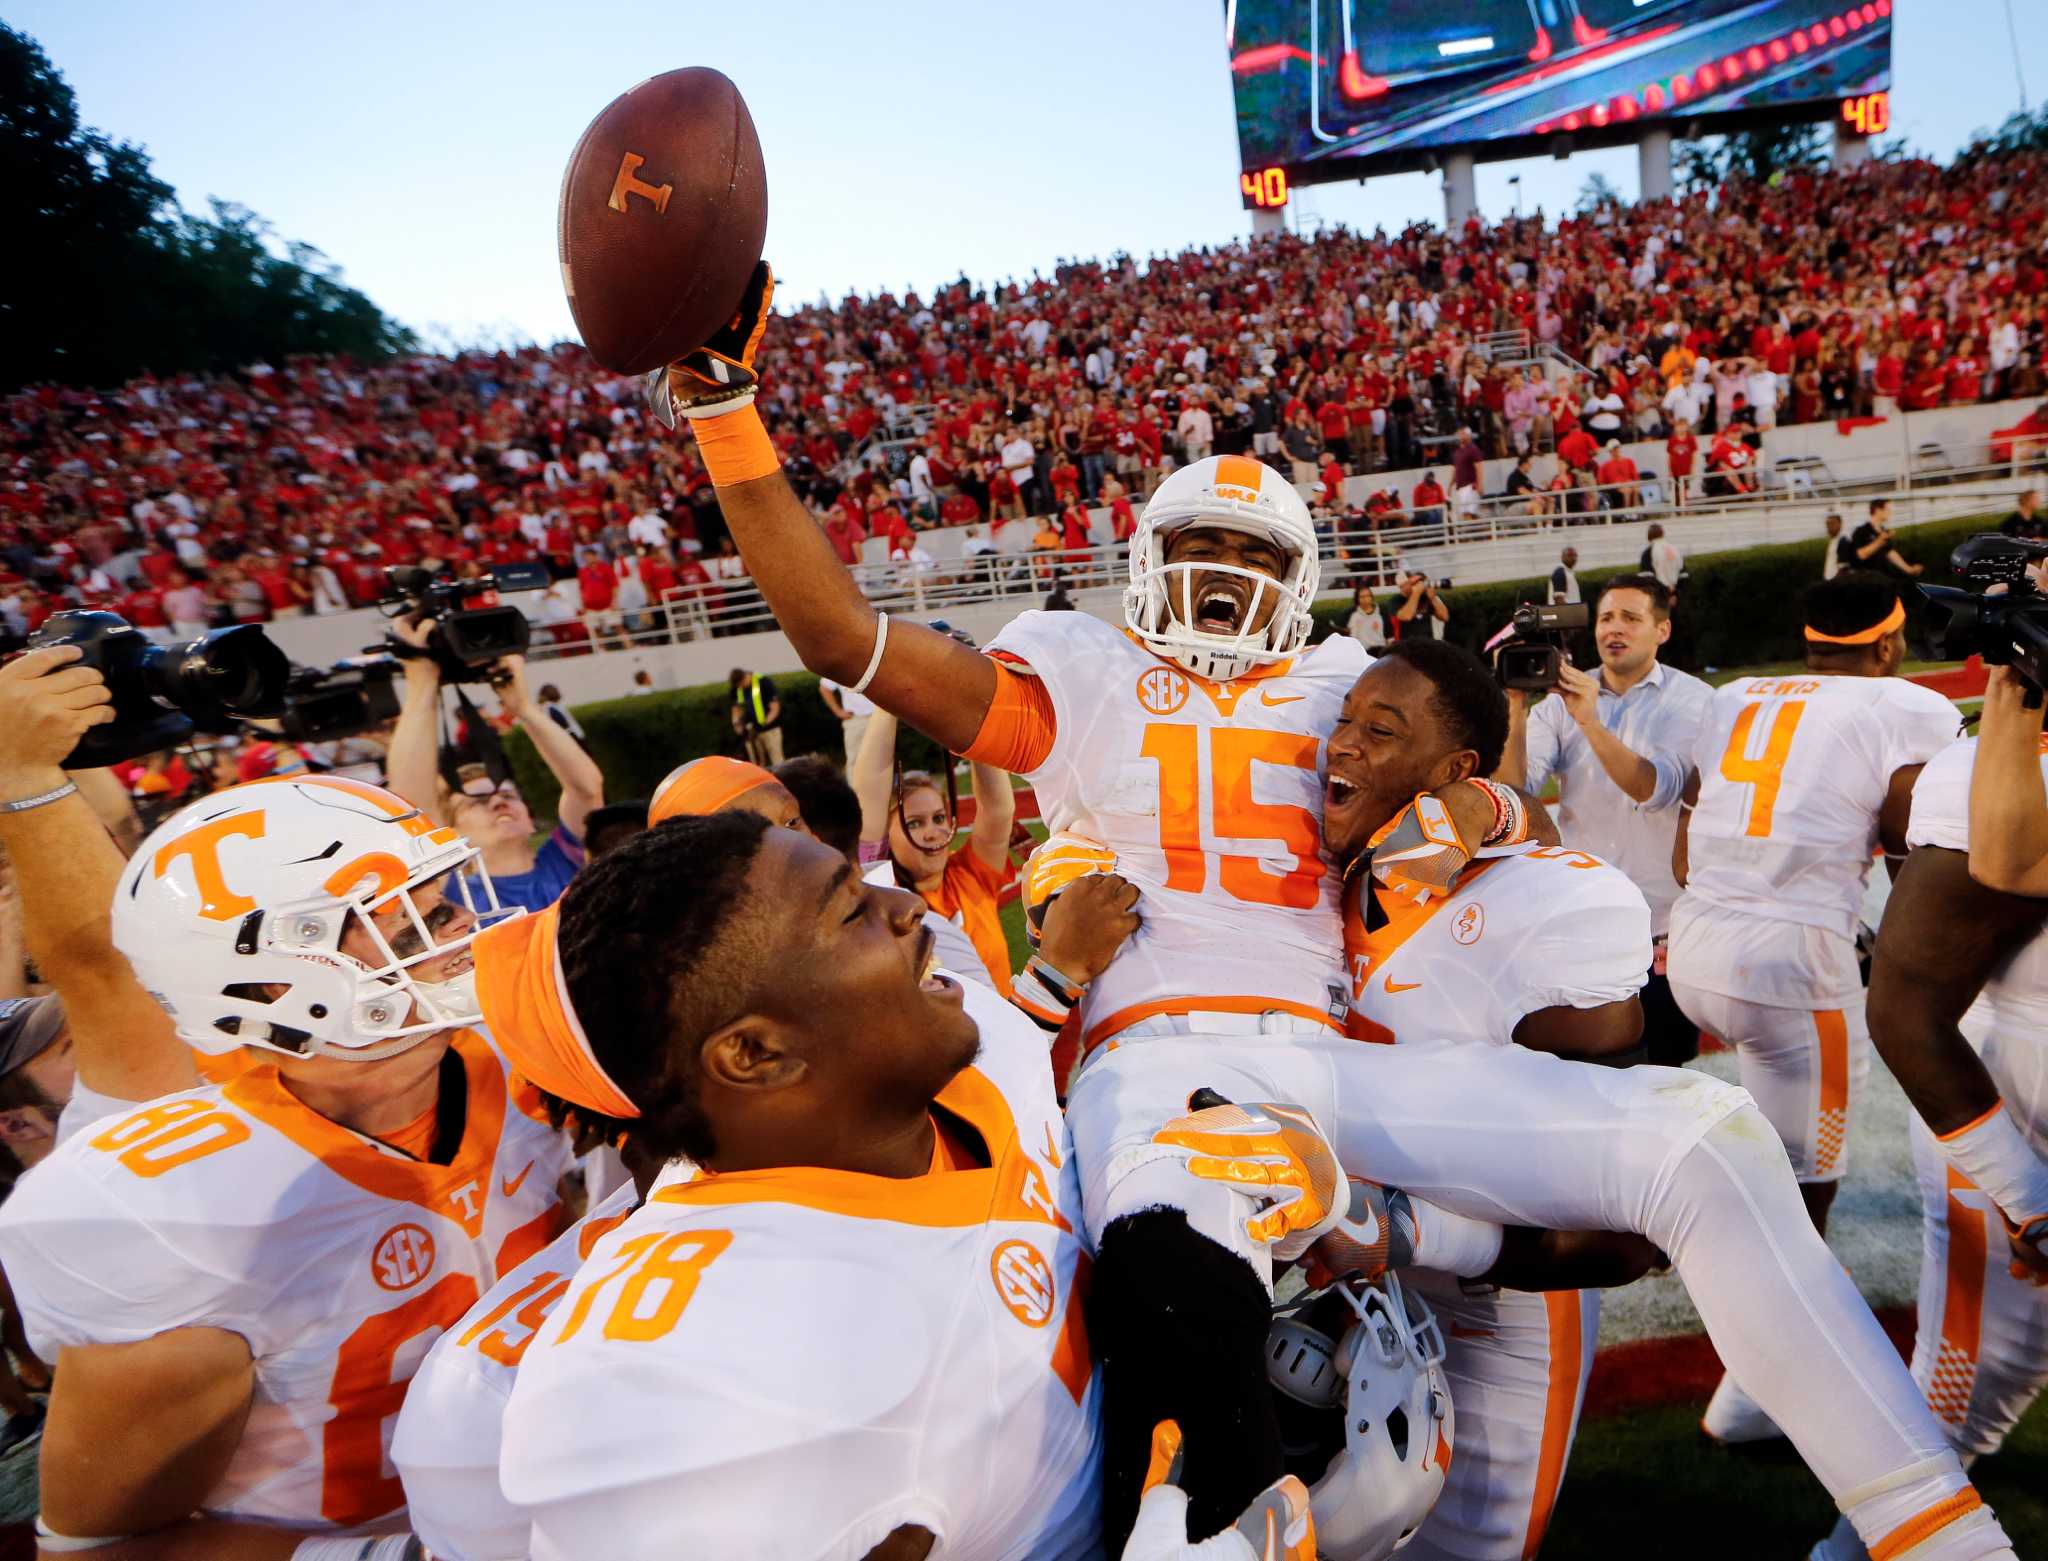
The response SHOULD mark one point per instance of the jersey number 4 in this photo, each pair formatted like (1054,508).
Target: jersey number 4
(1234,813)
(1767,770)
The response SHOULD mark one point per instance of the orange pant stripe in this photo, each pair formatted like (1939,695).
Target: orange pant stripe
(1962,1308)
(1561,1401)
(1832,1032)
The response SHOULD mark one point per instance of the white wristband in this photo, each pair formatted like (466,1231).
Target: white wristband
(874,661)
(1453,1244)
(48,1540)
(1996,1156)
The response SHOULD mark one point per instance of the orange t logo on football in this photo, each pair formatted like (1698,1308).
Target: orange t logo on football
(217,902)
(626,184)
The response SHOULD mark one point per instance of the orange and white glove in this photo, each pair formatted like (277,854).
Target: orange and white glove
(1062,859)
(719,376)
(1274,1154)
(1376,1233)
(1419,850)
(1277,1526)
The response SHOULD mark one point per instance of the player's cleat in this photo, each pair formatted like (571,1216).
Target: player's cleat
(1733,1416)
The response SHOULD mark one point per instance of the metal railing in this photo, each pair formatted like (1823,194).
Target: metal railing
(1353,554)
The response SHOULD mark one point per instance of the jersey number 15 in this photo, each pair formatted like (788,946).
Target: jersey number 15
(1234,813)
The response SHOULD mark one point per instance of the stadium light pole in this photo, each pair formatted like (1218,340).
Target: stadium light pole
(1516,180)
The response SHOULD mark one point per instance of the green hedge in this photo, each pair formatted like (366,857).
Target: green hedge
(639,739)
(1742,608)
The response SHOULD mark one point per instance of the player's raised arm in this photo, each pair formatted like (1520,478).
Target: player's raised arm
(938,685)
(66,869)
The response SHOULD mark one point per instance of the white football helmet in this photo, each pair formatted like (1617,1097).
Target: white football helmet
(1226,493)
(250,890)
(1386,1373)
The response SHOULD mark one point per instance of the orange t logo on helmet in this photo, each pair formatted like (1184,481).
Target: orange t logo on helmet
(217,902)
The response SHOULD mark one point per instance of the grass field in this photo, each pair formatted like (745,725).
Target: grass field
(1649,1484)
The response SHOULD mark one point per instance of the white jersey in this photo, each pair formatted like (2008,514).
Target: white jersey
(338,1259)
(2008,1023)
(790,1365)
(1538,927)
(445,1446)
(1211,796)
(1793,776)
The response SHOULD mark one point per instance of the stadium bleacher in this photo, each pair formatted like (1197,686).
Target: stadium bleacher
(1827,297)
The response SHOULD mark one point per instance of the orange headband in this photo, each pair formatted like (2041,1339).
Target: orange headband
(704,786)
(1892,620)
(526,1004)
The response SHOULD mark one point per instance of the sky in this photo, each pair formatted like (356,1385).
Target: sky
(420,145)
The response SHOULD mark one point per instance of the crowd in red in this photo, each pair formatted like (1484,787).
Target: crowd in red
(190,502)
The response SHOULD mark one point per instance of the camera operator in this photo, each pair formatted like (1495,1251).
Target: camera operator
(494,818)
(1620,745)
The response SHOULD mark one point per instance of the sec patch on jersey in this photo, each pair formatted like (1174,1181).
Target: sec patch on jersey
(663,212)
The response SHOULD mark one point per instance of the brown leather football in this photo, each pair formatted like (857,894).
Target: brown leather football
(664,208)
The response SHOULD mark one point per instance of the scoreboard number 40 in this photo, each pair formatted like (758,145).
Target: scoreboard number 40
(1868,115)
(1265,187)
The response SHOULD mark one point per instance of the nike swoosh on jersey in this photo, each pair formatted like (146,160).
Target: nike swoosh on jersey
(512,1184)
(1266,698)
(1391,985)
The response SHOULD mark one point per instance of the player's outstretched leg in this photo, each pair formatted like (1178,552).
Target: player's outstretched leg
(1504,1134)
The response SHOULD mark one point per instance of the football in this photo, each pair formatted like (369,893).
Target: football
(664,209)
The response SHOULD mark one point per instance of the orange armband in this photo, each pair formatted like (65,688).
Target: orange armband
(1017,733)
(736,447)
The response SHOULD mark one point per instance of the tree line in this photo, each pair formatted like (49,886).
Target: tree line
(112,277)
